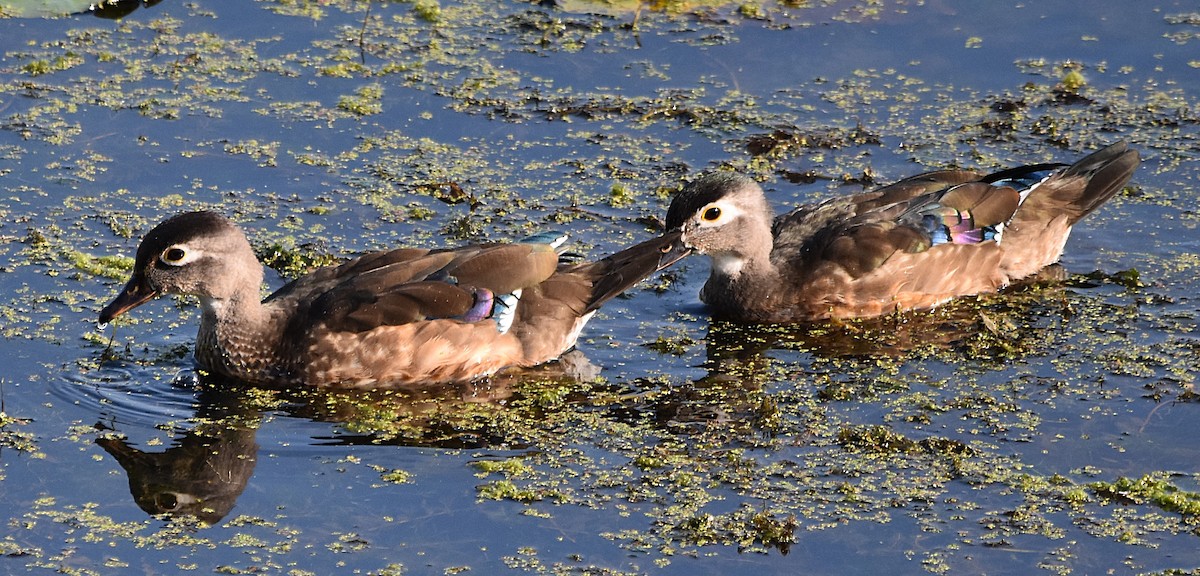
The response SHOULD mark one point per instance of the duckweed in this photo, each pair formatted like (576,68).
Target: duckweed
(754,438)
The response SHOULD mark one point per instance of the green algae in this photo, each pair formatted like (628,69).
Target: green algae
(1153,489)
(13,437)
(292,261)
(112,267)
(365,101)
(786,435)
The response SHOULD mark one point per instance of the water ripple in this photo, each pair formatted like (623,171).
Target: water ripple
(131,395)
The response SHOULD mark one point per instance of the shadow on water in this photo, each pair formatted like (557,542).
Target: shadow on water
(854,359)
(989,327)
(481,414)
(215,422)
(772,406)
(213,455)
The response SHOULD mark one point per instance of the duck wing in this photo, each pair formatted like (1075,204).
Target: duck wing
(471,283)
(858,234)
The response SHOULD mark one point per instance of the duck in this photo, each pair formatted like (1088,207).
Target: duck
(388,319)
(912,245)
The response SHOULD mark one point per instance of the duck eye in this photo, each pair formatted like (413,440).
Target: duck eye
(174,255)
(711,214)
(166,501)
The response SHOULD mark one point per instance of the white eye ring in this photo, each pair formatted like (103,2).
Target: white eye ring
(718,213)
(178,255)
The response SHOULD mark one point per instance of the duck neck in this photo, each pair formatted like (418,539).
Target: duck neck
(751,258)
(744,278)
(746,269)
(232,336)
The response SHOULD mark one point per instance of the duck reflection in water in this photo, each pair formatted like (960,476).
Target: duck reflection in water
(982,328)
(206,470)
(755,373)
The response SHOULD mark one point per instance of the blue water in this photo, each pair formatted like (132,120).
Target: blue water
(539,111)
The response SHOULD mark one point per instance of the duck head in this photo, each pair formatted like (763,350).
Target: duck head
(725,216)
(196,253)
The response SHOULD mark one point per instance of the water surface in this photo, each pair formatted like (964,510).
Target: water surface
(1044,430)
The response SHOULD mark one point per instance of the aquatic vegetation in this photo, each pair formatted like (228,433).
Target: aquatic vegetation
(1153,489)
(1034,430)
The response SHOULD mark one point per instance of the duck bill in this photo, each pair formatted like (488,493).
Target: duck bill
(135,293)
(673,249)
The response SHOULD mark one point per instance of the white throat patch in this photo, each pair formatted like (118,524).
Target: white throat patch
(727,264)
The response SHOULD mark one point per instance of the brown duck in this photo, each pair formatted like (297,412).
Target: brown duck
(914,244)
(385,319)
